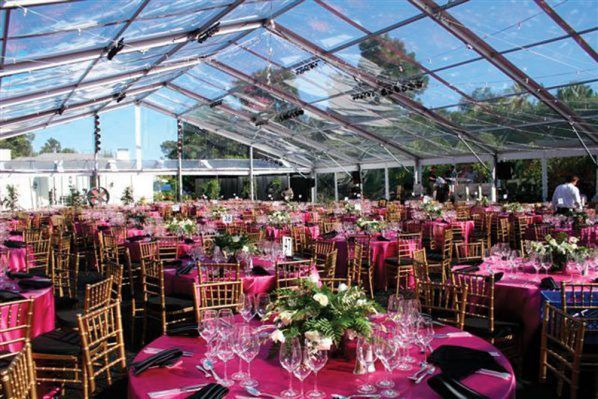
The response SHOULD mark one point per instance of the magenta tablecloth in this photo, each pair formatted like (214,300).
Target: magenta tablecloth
(435,230)
(380,251)
(43,315)
(336,377)
(16,258)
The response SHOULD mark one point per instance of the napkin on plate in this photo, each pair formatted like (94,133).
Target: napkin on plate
(469,269)
(259,271)
(382,238)
(449,388)
(14,244)
(172,263)
(14,275)
(160,359)
(9,296)
(184,269)
(330,234)
(498,276)
(35,283)
(458,361)
(548,283)
(210,391)
(184,330)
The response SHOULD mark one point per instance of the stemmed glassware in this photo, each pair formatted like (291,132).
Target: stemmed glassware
(226,322)
(261,305)
(250,347)
(386,349)
(239,331)
(290,358)
(366,355)
(316,360)
(301,372)
(425,334)
(208,330)
(247,309)
(225,353)
(546,262)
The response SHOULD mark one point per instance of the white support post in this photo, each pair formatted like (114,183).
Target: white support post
(137,137)
(493,180)
(251,187)
(335,186)
(314,189)
(179,160)
(544,164)
(386,185)
(417,172)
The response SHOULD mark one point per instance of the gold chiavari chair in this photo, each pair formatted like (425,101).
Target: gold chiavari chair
(208,243)
(31,235)
(57,221)
(18,379)
(289,274)
(443,301)
(38,256)
(328,278)
(217,272)
(442,260)
(167,310)
(320,251)
(118,232)
(299,237)
(471,253)
(463,212)
(102,343)
(255,237)
(541,231)
(115,271)
(400,268)
(362,274)
(216,296)
(502,228)
(97,295)
(168,248)
(519,231)
(561,349)
(581,299)
(15,327)
(65,275)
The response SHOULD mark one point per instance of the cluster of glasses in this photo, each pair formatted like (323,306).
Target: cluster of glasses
(225,339)
(300,362)
(502,254)
(253,305)
(404,327)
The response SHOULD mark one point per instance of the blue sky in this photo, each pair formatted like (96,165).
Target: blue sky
(118,131)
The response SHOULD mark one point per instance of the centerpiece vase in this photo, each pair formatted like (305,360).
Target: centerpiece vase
(559,263)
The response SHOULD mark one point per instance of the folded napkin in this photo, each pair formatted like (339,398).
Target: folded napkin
(137,238)
(9,296)
(259,271)
(595,280)
(35,283)
(14,275)
(103,227)
(173,263)
(458,362)
(210,391)
(498,276)
(382,238)
(469,269)
(184,330)
(160,359)
(15,232)
(449,388)
(189,241)
(548,283)
(184,269)
(330,234)
(14,244)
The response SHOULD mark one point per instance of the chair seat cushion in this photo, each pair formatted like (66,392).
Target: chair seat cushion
(57,342)
(434,256)
(399,262)
(171,302)
(68,317)
(480,326)
(65,302)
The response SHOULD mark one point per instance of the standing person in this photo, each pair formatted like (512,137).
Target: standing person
(566,197)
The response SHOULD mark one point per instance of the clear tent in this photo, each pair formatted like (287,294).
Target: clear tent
(495,73)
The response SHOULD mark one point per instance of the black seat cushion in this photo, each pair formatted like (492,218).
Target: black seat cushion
(57,342)
(397,262)
(434,256)
(65,302)
(68,317)
(480,326)
(171,302)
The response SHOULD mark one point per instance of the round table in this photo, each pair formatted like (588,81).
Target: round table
(336,377)
(15,258)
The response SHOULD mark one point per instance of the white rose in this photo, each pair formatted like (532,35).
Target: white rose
(342,287)
(313,279)
(277,336)
(324,344)
(286,317)
(236,239)
(321,299)
(360,302)
(245,248)
(312,336)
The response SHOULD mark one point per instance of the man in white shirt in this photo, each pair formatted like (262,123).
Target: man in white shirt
(566,197)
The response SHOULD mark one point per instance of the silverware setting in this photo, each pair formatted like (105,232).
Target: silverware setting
(206,372)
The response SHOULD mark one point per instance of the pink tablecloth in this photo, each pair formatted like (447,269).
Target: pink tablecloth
(15,258)
(43,314)
(336,377)
(435,230)
(275,232)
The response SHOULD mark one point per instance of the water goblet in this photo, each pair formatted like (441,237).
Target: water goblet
(250,347)
(301,372)
(225,353)
(316,359)
(289,356)
(366,356)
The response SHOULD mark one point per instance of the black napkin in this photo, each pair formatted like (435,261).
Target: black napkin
(449,388)
(173,263)
(382,238)
(259,271)
(548,283)
(330,234)
(15,232)
(160,359)
(103,228)
(595,280)
(35,283)
(498,276)
(458,362)
(9,296)
(184,269)
(14,275)
(14,244)
(184,330)
(468,269)
(136,238)
(189,241)
(210,391)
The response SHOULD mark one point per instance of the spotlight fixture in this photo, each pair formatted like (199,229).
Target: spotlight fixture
(259,121)
(96,134)
(202,36)
(306,67)
(115,48)
(363,95)
(119,96)
(215,103)
(294,113)
(61,110)
(179,141)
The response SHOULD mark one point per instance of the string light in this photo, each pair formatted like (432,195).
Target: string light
(306,67)
(294,113)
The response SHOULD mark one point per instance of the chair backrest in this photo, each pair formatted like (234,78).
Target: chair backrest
(330,265)
(217,295)
(168,247)
(18,379)
(445,302)
(114,270)
(97,295)
(39,254)
(356,264)
(561,348)
(579,298)
(480,295)
(102,341)
(65,274)
(16,325)
(152,279)
(148,250)
(31,235)
(407,243)
(469,251)
(218,272)
(289,274)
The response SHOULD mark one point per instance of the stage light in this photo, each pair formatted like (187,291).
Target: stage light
(115,49)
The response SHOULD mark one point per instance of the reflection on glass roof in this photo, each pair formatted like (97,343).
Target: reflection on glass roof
(347,105)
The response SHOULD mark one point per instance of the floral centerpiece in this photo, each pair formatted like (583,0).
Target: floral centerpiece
(484,201)
(432,209)
(370,226)
(580,219)
(185,227)
(229,244)
(560,247)
(279,218)
(218,211)
(322,317)
(138,218)
(352,209)
(513,207)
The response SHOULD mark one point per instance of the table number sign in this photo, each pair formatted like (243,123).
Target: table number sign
(287,246)
(227,219)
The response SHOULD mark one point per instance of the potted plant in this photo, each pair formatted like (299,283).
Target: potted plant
(11,201)
(127,197)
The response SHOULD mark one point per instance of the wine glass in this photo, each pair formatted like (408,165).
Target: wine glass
(225,353)
(386,350)
(208,330)
(537,265)
(247,308)
(290,358)
(316,360)
(238,332)
(250,347)
(261,305)
(226,322)
(546,262)
(366,356)
(425,334)
(301,372)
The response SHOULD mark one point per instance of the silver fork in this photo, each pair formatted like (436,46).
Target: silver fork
(206,373)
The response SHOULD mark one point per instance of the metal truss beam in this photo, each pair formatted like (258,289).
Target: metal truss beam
(300,103)
(460,31)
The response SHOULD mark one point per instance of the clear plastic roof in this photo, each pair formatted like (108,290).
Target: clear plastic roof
(374,80)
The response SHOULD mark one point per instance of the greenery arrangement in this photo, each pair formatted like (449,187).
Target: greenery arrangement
(11,201)
(185,227)
(138,218)
(232,243)
(127,197)
(560,247)
(352,209)
(513,207)
(321,316)
(75,198)
(279,218)
(370,226)
(210,189)
(433,210)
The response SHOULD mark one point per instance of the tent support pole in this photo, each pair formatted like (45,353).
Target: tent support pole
(544,164)
(251,185)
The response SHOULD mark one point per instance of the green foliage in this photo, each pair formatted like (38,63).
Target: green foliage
(127,197)
(11,201)
(75,198)
(201,144)
(20,145)
(211,189)
(53,146)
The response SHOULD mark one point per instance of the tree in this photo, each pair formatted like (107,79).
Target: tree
(20,145)
(201,144)
(53,146)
